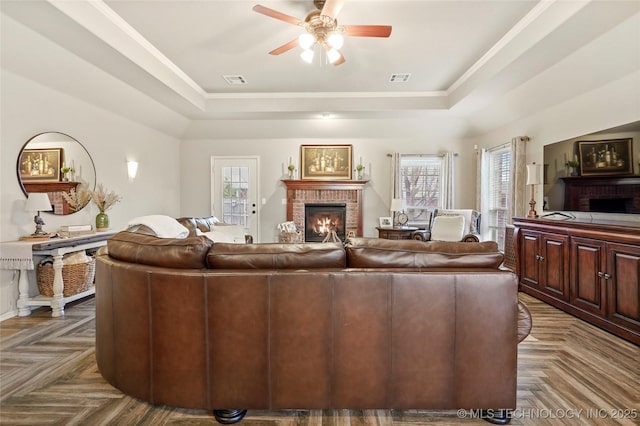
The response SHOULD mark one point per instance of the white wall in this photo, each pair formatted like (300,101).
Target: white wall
(29,108)
(38,103)
(274,153)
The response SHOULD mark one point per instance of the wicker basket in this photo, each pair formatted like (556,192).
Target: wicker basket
(77,277)
(291,237)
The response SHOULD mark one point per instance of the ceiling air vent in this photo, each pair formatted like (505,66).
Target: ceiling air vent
(234,79)
(399,78)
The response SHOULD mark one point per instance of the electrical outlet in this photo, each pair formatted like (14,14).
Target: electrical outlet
(284,201)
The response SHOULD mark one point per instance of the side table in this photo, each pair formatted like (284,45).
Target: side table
(19,255)
(402,233)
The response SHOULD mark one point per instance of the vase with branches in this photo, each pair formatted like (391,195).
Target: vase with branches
(103,200)
(78,197)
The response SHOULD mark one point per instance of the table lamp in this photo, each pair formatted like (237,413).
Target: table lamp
(534,177)
(396,206)
(38,202)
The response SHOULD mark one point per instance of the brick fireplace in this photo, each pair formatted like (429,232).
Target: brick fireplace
(612,194)
(334,192)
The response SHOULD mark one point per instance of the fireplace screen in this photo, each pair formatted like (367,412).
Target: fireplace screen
(323,220)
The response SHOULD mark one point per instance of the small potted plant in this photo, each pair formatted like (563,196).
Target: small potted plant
(64,170)
(291,168)
(574,166)
(359,169)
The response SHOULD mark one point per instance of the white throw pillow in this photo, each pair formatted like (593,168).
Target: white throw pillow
(447,228)
(226,234)
(163,226)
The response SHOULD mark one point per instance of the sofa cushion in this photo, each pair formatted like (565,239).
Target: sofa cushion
(276,256)
(224,233)
(181,253)
(471,218)
(381,253)
(163,226)
(447,228)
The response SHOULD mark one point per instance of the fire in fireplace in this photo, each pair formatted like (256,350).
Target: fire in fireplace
(323,219)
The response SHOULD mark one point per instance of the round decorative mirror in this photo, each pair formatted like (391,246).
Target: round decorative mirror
(59,165)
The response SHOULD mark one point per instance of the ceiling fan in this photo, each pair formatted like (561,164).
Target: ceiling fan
(323,29)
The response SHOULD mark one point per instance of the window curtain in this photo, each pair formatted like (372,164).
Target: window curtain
(517,206)
(448,169)
(395,175)
(480,158)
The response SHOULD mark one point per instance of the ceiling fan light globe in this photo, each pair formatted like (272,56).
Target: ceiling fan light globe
(336,40)
(307,55)
(333,55)
(306,40)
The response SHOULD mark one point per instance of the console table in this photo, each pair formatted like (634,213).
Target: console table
(401,233)
(19,255)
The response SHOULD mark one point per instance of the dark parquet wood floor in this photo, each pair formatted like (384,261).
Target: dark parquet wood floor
(48,375)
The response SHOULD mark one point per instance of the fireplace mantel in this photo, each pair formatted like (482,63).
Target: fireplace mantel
(349,191)
(324,184)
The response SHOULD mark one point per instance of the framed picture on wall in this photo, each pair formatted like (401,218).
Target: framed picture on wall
(40,165)
(326,162)
(606,157)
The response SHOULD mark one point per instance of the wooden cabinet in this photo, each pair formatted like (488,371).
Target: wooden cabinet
(623,286)
(545,263)
(588,261)
(589,269)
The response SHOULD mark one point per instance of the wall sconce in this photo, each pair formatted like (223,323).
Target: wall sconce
(132,170)
(38,202)
(534,177)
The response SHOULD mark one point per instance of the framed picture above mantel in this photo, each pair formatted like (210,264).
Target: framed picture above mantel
(326,162)
(40,165)
(606,157)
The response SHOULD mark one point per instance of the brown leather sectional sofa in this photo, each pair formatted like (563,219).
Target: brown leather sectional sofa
(374,324)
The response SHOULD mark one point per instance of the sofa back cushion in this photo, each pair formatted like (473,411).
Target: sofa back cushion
(380,253)
(204,224)
(276,256)
(181,253)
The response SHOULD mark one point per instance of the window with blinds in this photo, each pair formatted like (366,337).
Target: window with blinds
(497,183)
(419,179)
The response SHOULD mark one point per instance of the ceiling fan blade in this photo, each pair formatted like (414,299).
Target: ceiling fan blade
(331,8)
(275,14)
(285,47)
(367,30)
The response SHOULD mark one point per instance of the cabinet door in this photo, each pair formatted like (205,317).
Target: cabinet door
(588,264)
(623,295)
(530,254)
(554,265)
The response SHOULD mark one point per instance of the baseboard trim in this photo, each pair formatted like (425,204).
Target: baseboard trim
(8,315)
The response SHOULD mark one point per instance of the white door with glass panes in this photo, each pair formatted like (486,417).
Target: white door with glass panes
(234,192)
